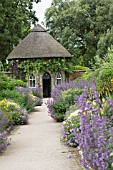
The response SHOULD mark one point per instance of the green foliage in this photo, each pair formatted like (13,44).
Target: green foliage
(105,41)
(13,83)
(8,83)
(68,96)
(60,110)
(41,65)
(66,100)
(29,102)
(104,79)
(9,91)
(78,67)
(14,114)
(68,125)
(37,92)
(16,17)
(104,73)
(1,68)
(88,75)
(12,95)
(83,27)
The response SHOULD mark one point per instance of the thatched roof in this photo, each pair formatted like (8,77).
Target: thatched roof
(38,44)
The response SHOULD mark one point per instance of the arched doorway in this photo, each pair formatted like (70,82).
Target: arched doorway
(46,85)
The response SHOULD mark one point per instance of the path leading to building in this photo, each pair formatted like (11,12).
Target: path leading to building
(37,146)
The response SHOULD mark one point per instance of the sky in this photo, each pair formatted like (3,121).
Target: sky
(40,9)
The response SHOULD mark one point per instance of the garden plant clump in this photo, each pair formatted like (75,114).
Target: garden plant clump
(88,120)
(3,137)
(32,97)
(16,101)
(63,98)
(91,127)
(14,114)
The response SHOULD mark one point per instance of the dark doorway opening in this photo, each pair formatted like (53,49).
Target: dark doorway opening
(46,85)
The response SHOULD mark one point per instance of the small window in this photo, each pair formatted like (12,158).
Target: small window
(32,81)
(59,79)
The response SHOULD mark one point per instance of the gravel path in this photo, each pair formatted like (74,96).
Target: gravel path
(37,146)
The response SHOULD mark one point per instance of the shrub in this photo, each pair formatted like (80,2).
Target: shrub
(69,124)
(13,83)
(29,99)
(14,114)
(8,83)
(65,101)
(104,79)
(3,85)
(63,98)
(12,95)
(78,67)
(29,102)
(59,110)
(37,92)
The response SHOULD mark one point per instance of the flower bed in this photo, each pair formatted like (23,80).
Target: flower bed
(14,114)
(91,127)
(3,137)
(63,98)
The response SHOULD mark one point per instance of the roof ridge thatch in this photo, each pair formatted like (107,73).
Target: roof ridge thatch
(38,44)
(38,28)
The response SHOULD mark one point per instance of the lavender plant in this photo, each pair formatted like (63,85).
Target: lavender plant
(94,143)
(3,137)
(29,99)
(68,126)
(37,92)
(14,114)
(59,105)
(94,133)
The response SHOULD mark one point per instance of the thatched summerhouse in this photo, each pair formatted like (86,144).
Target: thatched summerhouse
(38,44)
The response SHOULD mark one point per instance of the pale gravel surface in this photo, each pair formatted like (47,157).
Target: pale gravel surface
(37,146)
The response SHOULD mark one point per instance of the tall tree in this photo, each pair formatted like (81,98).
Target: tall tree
(79,25)
(16,17)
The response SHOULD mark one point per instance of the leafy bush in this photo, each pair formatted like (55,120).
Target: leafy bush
(69,124)
(12,95)
(78,67)
(63,98)
(29,99)
(29,102)
(14,114)
(13,83)
(37,92)
(104,79)
(8,83)
(3,85)
(65,101)
(60,110)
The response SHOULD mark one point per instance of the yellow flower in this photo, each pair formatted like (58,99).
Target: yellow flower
(75,113)
(94,103)
(88,101)
(111,154)
(111,81)
(102,111)
(103,99)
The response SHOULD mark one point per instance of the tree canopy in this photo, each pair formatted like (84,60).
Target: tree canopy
(16,17)
(84,27)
